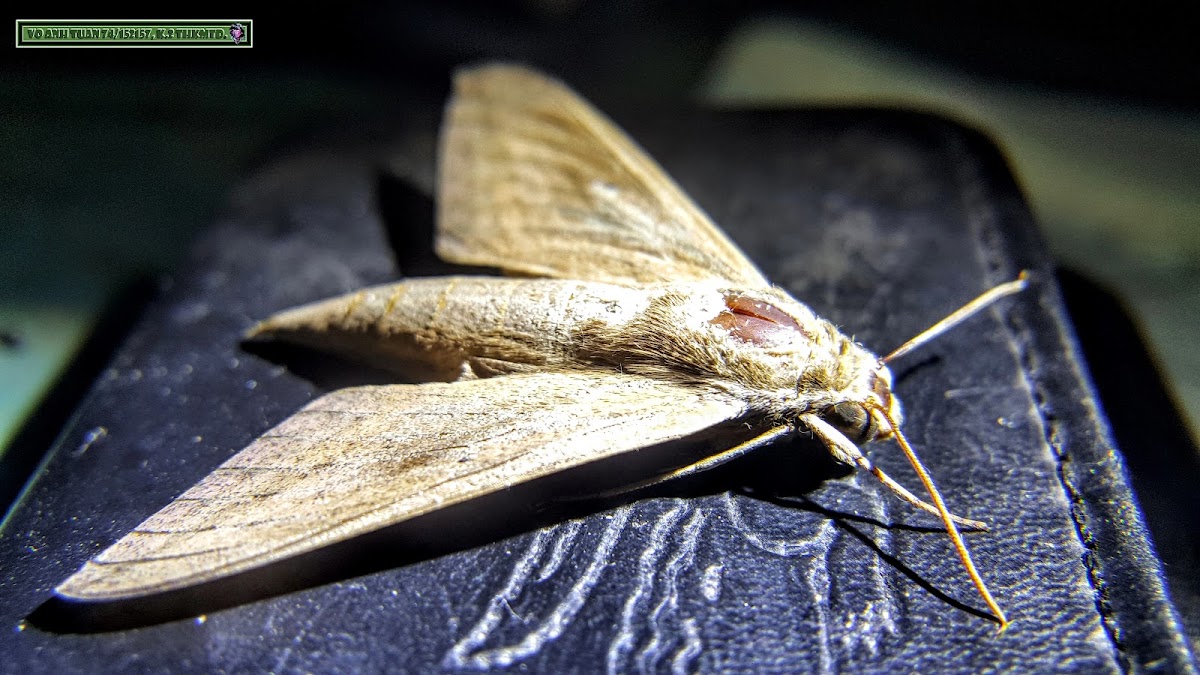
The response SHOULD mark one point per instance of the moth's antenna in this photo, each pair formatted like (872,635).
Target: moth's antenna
(951,529)
(961,314)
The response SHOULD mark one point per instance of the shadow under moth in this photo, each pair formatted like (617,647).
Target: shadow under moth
(629,320)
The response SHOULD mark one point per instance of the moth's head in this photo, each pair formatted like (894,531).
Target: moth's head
(834,376)
(861,417)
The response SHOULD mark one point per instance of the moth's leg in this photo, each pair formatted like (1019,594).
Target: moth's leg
(845,451)
(467,373)
(480,367)
(703,465)
(720,458)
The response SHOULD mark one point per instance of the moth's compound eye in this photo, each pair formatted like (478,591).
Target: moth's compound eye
(853,420)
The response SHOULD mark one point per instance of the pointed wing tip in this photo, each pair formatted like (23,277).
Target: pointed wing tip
(313,317)
(86,585)
(485,68)
(500,75)
(259,331)
(97,583)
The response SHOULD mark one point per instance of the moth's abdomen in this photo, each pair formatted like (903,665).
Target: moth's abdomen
(430,328)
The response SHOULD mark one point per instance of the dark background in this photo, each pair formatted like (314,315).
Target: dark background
(1143,53)
(115,157)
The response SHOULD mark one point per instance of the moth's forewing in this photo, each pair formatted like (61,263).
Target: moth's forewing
(363,458)
(449,327)
(534,180)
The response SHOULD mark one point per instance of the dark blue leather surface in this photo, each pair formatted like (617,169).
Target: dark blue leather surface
(882,222)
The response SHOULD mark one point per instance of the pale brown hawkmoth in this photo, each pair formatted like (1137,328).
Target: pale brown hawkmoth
(631,321)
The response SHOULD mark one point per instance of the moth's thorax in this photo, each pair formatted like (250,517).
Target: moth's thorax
(760,344)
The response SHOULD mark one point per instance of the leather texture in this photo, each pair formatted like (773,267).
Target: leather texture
(882,222)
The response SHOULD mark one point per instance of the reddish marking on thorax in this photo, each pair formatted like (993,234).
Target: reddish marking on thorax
(758,322)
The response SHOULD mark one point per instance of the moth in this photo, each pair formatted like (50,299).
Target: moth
(628,320)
